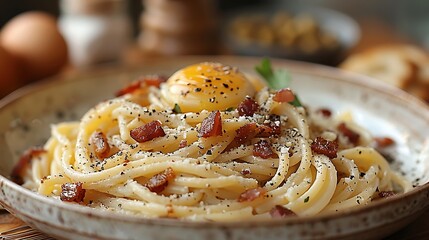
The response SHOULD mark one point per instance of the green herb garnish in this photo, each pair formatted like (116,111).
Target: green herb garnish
(276,79)
(306,199)
(296,102)
(230,109)
(177,109)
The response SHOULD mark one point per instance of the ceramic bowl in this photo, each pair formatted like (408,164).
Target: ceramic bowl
(25,117)
(341,26)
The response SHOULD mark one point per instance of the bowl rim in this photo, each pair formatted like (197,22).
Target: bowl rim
(309,68)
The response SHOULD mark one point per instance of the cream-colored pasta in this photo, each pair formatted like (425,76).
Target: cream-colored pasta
(209,177)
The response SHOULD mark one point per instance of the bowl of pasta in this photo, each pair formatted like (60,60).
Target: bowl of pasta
(214,148)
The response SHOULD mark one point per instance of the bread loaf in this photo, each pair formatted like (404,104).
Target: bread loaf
(402,65)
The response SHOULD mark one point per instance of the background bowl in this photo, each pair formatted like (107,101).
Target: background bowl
(25,117)
(342,27)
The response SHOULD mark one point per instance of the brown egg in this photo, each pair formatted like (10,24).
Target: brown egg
(34,39)
(9,73)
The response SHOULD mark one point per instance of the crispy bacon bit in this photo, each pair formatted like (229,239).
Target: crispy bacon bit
(351,135)
(246,171)
(23,163)
(386,194)
(129,89)
(265,131)
(325,112)
(72,192)
(158,182)
(183,143)
(251,130)
(279,211)
(153,80)
(101,146)
(248,107)
(245,133)
(211,125)
(284,95)
(325,147)
(383,142)
(263,149)
(271,127)
(147,132)
(251,194)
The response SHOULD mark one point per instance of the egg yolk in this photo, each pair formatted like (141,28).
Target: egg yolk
(206,86)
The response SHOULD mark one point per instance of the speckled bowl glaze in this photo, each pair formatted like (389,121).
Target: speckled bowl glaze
(25,117)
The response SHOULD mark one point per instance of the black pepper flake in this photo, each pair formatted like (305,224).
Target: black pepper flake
(362,174)
(225,85)
(306,199)
(198,89)
(209,152)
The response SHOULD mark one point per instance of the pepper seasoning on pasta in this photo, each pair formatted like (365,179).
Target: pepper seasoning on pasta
(205,145)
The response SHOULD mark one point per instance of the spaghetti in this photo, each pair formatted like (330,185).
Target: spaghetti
(204,146)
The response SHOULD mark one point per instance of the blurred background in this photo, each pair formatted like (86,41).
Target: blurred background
(383,39)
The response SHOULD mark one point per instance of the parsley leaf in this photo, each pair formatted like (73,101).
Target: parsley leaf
(276,79)
(177,109)
(296,102)
(307,199)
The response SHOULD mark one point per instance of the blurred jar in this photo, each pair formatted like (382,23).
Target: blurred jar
(96,31)
(178,27)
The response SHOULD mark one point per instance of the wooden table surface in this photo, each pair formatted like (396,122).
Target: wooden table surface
(416,230)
